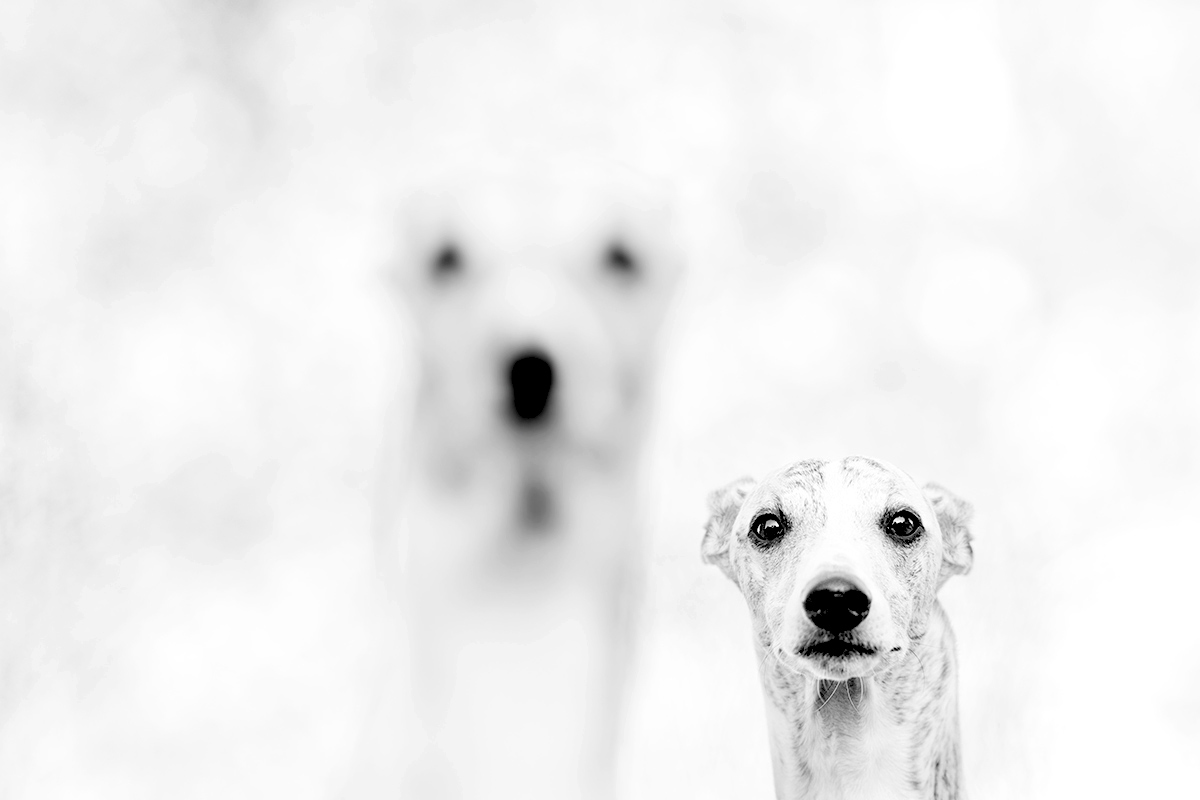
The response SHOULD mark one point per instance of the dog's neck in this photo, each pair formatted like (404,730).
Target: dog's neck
(535,469)
(537,509)
(893,734)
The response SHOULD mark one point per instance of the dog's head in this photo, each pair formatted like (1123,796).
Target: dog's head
(536,297)
(839,561)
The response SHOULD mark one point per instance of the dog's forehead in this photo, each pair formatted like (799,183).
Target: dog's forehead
(506,210)
(802,478)
(865,478)
(871,476)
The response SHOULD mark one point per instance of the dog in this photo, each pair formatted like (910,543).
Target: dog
(536,297)
(840,563)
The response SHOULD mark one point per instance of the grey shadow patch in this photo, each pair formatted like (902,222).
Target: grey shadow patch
(536,510)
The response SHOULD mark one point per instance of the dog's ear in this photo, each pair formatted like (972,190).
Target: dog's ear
(431,250)
(953,514)
(724,505)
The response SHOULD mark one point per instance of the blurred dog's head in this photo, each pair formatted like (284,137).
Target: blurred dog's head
(536,298)
(839,561)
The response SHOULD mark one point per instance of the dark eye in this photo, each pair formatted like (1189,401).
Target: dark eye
(618,258)
(766,528)
(446,261)
(903,526)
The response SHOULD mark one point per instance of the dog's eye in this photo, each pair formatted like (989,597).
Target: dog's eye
(766,528)
(619,259)
(446,261)
(903,526)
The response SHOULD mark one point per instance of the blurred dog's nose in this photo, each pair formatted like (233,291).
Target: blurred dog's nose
(532,379)
(837,605)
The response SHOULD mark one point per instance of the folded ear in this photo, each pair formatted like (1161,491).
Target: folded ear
(953,514)
(432,249)
(724,505)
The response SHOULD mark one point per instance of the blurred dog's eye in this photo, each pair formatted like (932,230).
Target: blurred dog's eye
(766,528)
(447,261)
(619,259)
(903,526)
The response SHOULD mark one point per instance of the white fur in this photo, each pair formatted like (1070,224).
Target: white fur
(875,724)
(521,636)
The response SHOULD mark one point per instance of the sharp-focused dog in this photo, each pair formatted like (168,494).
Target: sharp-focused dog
(536,297)
(840,563)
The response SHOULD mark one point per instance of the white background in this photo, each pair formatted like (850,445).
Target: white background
(959,236)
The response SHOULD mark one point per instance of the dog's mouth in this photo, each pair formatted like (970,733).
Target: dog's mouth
(835,648)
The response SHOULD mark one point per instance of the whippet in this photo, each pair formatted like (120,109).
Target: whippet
(839,563)
(535,297)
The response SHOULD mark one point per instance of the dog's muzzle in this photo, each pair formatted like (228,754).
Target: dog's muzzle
(532,378)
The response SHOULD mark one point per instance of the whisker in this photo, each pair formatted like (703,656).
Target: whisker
(784,663)
(828,697)
(767,653)
(920,662)
(774,649)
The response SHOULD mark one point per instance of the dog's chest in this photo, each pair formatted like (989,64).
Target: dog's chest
(866,766)
(525,685)
(832,758)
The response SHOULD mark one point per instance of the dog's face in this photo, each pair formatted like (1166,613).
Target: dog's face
(839,561)
(536,300)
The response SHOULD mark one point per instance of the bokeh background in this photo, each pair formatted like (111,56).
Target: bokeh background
(960,236)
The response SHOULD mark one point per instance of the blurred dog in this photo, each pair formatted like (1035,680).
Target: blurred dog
(536,298)
(840,564)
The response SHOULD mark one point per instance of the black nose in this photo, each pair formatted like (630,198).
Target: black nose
(837,605)
(532,379)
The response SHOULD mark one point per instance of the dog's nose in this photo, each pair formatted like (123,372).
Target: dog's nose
(532,379)
(837,605)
